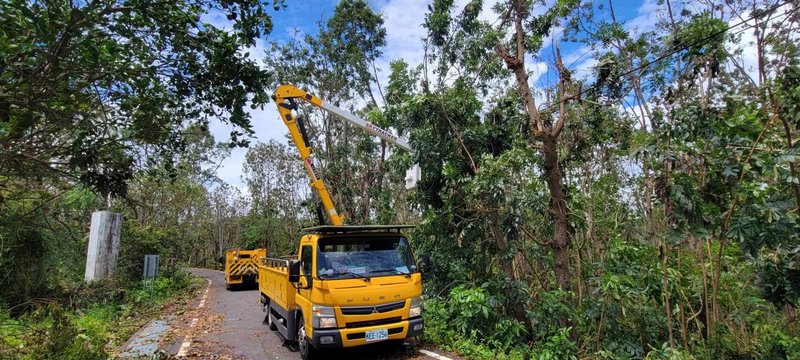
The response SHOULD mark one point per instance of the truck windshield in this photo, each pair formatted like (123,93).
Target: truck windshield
(349,257)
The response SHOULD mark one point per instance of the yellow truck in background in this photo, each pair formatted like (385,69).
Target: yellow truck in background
(351,286)
(241,266)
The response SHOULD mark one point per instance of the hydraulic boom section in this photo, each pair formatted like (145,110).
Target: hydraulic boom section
(286,97)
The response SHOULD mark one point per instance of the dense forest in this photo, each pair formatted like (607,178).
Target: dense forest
(643,206)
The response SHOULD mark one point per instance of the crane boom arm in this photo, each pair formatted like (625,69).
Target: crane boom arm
(286,97)
(368,126)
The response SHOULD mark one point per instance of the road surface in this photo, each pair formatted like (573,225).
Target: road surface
(223,324)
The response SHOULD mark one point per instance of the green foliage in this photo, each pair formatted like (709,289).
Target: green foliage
(42,245)
(159,289)
(60,338)
(703,52)
(351,42)
(94,81)
(779,277)
(461,40)
(467,321)
(280,198)
(557,346)
(472,309)
(681,208)
(100,317)
(338,64)
(668,353)
(678,169)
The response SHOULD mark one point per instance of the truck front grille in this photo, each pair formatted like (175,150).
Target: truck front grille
(366,310)
(358,324)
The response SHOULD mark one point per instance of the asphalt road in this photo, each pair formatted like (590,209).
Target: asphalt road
(229,326)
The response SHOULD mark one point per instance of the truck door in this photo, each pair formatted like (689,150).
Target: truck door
(306,275)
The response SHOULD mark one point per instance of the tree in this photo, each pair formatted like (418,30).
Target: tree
(93,89)
(471,44)
(280,194)
(337,65)
(545,129)
(704,118)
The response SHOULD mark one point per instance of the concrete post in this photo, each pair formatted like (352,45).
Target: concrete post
(104,234)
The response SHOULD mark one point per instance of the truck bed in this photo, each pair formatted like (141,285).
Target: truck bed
(273,281)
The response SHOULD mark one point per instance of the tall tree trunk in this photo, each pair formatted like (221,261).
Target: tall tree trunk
(665,291)
(220,237)
(507,264)
(546,133)
(558,209)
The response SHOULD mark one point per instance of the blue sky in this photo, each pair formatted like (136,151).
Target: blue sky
(402,19)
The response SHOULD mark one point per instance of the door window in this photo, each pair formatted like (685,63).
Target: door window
(305,259)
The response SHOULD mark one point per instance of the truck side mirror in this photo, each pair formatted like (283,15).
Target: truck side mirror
(294,271)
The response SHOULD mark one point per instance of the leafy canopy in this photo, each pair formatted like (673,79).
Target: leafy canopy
(89,90)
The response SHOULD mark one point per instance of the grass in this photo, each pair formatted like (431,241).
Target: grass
(97,322)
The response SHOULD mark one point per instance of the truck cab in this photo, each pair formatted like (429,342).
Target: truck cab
(348,286)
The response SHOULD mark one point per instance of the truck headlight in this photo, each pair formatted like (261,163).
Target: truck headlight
(416,307)
(323,317)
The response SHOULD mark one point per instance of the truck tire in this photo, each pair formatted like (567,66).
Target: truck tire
(304,346)
(396,345)
(270,323)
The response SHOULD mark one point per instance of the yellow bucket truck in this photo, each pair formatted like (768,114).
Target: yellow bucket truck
(349,285)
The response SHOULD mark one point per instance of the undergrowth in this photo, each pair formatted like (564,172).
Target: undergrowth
(89,321)
(623,319)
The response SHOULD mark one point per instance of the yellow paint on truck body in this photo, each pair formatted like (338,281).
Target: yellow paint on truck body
(273,281)
(362,295)
(343,294)
(241,263)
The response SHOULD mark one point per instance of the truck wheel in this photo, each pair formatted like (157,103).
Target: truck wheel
(228,287)
(396,345)
(307,351)
(270,323)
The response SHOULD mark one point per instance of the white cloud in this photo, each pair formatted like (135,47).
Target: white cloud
(636,115)
(746,47)
(749,55)
(266,122)
(646,19)
(256,52)
(586,67)
(554,35)
(487,14)
(576,55)
(403,21)
(218,19)
(266,125)
(536,69)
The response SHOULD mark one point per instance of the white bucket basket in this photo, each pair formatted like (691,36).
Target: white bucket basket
(413,175)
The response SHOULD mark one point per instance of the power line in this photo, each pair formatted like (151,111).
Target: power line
(580,57)
(677,50)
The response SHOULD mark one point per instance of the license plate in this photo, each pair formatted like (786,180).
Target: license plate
(375,335)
